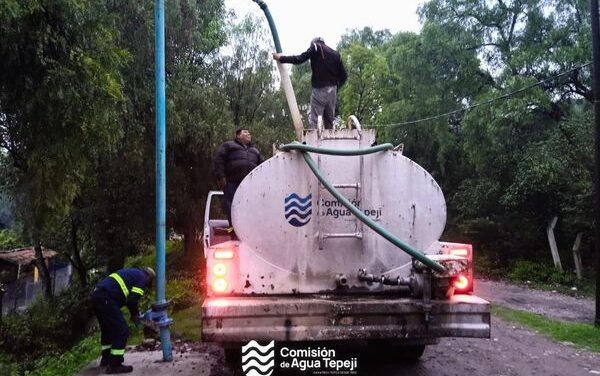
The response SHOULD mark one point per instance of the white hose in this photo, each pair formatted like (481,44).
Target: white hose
(286,83)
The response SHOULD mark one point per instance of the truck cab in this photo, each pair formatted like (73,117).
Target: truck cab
(303,268)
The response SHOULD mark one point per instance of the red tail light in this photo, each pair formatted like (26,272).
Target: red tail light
(222,271)
(461,283)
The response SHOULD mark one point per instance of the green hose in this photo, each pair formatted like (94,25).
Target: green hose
(274,33)
(304,148)
(344,201)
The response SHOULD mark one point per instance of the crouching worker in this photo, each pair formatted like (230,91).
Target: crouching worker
(124,287)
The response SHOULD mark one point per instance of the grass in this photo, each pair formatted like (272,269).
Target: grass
(186,326)
(70,362)
(581,335)
(187,323)
(184,287)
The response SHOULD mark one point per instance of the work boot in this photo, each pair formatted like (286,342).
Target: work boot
(105,360)
(119,368)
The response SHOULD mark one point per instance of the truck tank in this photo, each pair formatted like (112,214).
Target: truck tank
(295,237)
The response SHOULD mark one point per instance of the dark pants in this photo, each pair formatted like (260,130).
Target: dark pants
(228,193)
(113,327)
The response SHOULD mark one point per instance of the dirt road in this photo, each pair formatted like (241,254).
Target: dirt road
(512,350)
(550,304)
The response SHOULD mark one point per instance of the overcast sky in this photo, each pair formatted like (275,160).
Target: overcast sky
(299,21)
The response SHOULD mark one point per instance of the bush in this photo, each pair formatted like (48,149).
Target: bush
(184,293)
(46,328)
(9,239)
(70,362)
(524,270)
(184,282)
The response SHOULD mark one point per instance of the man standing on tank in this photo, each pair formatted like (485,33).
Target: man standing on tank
(233,160)
(328,74)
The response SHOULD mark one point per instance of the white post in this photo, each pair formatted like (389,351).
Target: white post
(552,241)
(577,255)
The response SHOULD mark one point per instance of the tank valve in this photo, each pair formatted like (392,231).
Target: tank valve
(364,276)
(341,280)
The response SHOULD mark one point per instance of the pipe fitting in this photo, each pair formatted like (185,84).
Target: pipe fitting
(341,280)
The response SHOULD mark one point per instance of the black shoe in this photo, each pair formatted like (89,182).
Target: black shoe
(104,361)
(119,369)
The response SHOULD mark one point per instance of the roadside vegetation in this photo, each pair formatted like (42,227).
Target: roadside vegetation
(540,275)
(508,136)
(585,336)
(61,337)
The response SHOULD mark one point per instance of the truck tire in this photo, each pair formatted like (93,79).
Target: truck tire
(410,353)
(233,356)
(392,352)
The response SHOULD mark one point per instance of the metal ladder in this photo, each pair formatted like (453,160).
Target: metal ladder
(358,226)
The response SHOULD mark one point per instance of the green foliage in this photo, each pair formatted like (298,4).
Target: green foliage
(509,165)
(183,293)
(184,282)
(584,336)
(187,323)
(65,364)
(46,327)
(365,89)
(69,362)
(60,92)
(9,239)
(7,366)
(524,270)
(365,37)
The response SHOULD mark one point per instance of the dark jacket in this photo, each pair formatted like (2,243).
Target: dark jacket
(136,281)
(325,62)
(235,160)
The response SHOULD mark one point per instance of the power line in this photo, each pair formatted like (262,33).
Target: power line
(484,102)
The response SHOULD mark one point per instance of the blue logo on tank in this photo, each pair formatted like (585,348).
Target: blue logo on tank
(298,209)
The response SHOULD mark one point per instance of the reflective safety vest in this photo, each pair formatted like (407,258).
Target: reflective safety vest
(123,286)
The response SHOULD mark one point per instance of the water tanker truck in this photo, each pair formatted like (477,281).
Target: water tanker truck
(338,240)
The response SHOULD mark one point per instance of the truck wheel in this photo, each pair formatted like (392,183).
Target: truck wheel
(390,352)
(233,355)
(410,353)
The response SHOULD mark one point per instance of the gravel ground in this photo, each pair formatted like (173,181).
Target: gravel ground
(550,304)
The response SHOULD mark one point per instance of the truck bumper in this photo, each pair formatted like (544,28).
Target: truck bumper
(324,318)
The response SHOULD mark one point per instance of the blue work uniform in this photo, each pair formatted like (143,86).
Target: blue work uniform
(124,287)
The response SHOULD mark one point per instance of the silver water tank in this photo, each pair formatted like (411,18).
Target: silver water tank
(295,237)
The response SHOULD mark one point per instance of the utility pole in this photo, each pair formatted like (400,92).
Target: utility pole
(596,183)
(160,308)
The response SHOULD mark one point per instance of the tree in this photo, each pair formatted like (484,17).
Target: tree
(366,37)
(366,87)
(60,92)
(432,74)
(511,145)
